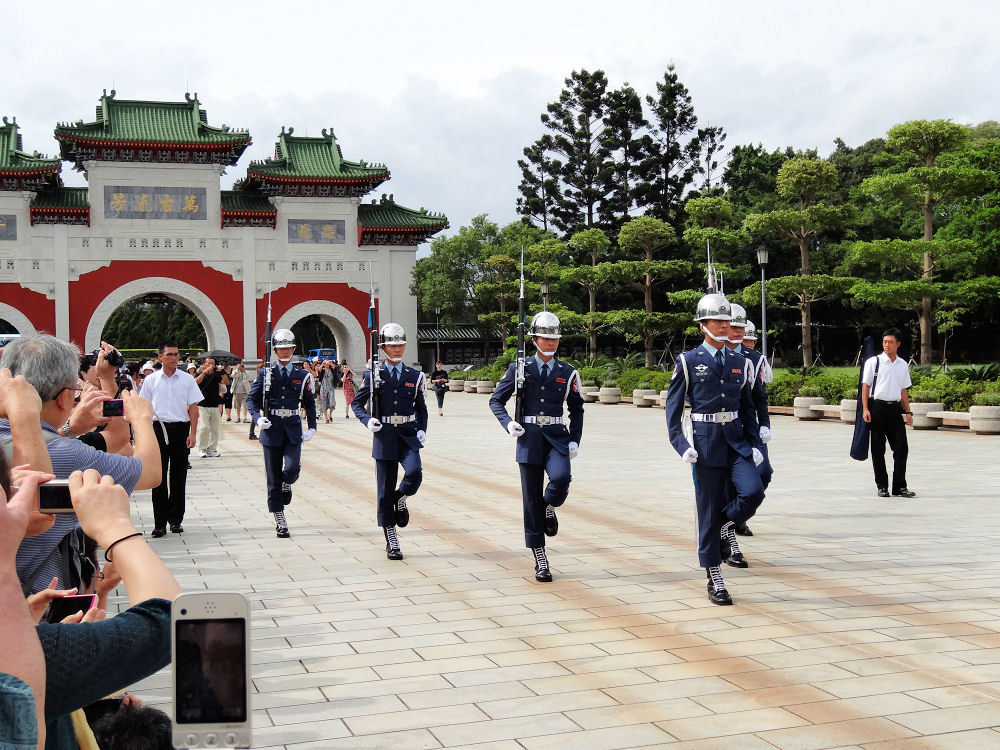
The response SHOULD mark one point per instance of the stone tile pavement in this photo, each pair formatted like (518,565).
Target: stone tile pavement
(861,623)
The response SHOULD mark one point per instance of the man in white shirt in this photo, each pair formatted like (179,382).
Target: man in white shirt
(175,396)
(886,407)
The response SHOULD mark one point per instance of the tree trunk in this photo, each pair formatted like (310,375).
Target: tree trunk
(807,347)
(649,348)
(591,326)
(926,334)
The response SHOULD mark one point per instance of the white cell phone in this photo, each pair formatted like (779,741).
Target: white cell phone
(210,644)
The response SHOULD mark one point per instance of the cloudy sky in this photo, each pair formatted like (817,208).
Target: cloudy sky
(446,94)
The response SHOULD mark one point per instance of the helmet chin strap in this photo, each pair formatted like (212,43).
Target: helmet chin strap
(286,360)
(394,360)
(720,339)
(547,354)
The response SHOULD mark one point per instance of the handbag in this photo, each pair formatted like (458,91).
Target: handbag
(862,429)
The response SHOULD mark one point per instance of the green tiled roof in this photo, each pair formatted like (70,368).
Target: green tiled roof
(233,200)
(13,159)
(388,215)
(63,197)
(314,158)
(126,121)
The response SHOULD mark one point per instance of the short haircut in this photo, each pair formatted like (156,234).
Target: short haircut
(84,364)
(130,728)
(165,344)
(49,364)
(895,333)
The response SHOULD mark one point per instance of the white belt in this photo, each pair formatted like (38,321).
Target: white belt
(719,417)
(284,412)
(399,420)
(543,420)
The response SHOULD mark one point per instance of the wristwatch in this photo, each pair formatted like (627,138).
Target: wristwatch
(908,412)
(66,431)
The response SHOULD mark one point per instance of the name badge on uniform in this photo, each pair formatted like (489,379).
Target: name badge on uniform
(296,382)
(408,385)
(560,380)
(736,371)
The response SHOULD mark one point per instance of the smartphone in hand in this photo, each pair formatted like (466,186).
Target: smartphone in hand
(210,639)
(64,606)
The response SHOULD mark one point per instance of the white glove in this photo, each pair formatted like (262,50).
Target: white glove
(765,434)
(422,437)
(690,456)
(574,449)
(374,425)
(263,422)
(758,457)
(308,435)
(514,428)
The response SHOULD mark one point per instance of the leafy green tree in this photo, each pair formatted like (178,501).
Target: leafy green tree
(646,236)
(539,186)
(928,186)
(803,183)
(145,322)
(593,245)
(623,137)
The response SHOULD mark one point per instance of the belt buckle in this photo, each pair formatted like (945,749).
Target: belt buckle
(724,417)
(542,420)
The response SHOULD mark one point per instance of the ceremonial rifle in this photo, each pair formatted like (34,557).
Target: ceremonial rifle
(521,356)
(374,378)
(267,359)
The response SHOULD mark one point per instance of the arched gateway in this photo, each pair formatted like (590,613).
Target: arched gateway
(153,219)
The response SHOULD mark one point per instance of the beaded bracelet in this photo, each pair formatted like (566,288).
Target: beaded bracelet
(111,546)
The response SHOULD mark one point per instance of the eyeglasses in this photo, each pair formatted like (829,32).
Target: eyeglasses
(78,390)
(170,354)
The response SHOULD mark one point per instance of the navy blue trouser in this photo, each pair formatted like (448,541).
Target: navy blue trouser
(386,473)
(715,506)
(534,500)
(281,464)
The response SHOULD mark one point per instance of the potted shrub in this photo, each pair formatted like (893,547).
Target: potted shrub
(589,390)
(808,397)
(610,393)
(984,414)
(849,406)
(922,401)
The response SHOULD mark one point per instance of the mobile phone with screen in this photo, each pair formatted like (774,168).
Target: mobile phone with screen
(53,497)
(210,639)
(114,407)
(64,606)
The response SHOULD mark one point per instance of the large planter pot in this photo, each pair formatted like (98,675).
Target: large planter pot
(642,397)
(801,408)
(848,410)
(470,386)
(920,419)
(610,395)
(456,386)
(590,393)
(985,420)
(485,386)
(663,398)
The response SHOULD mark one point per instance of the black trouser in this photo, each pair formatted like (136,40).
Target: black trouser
(440,397)
(168,506)
(887,424)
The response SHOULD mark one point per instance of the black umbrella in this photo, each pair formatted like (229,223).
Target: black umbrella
(221,357)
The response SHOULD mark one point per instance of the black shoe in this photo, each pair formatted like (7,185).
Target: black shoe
(904,493)
(158,532)
(392,550)
(282,532)
(176,528)
(719,596)
(551,522)
(252,436)
(402,514)
(286,493)
(743,530)
(393,553)
(730,549)
(542,572)
(883,492)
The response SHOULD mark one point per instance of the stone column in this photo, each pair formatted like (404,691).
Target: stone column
(250,333)
(60,257)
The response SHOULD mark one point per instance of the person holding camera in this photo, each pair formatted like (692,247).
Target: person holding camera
(51,366)
(240,388)
(175,397)
(210,379)
(440,380)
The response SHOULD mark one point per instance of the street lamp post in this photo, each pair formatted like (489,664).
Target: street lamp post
(762,259)
(544,286)
(437,335)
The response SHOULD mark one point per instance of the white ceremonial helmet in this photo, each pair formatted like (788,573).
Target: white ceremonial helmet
(391,333)
(750,331)
(713,306)
(545,325)
(283,337)
(738,315)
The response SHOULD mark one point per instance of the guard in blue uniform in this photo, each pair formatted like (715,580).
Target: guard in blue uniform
(722,439)
(758,394)
(544,444)
(398,435)
(281,434)
(762,376)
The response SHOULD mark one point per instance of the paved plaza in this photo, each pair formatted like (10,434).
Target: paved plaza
(861,623)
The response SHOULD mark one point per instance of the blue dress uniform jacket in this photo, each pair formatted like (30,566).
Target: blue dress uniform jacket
(405,400)
(759,393)
(395,445)
(542,449)
(727,484)
(710,391)
(282,441)
(542,399)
